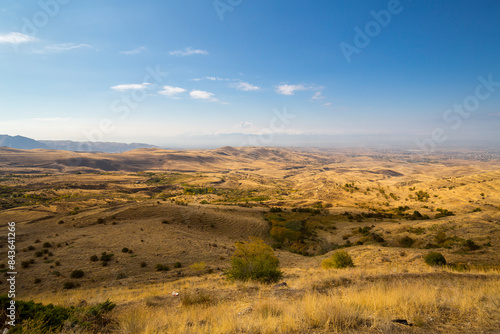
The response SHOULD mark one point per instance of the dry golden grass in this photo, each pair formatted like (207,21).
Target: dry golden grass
(317,301)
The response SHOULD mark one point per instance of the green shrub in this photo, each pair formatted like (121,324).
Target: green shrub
(406,242)
(254,261)
(162,267)
(143,264)
(339,259)
(47,245)
(177,265)
(435,259)
(25,264)
(76,274)
(50,318)
(94,258)
(471,245)
(198,267)
(37,280)
(69,285)
(106,257)
(124,250)
(443,213)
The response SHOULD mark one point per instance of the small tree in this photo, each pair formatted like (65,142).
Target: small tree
(435,259)
(340,259)
(254,261)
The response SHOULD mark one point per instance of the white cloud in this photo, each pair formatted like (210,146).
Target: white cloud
(286,89)
(290,89)
(126,87)
(327,104)
(245,86)
(62,47)
(16,38)
(317,96)
(134,51)
(171,91)
(188,52)
(202,95)
(210,79)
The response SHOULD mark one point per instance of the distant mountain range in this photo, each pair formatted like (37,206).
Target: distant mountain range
(26,143)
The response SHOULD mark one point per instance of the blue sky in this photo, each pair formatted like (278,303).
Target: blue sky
(172,72)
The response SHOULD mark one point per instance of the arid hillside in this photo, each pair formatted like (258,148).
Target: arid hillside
(147,222)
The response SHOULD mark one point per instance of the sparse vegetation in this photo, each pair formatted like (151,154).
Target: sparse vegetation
(470,245)
(443,213)
(406,241)
(339,260)
(38,318)
(77,274)
(105,257)
(254,261)
(121,276)
(198,267)
(162,267)
(435,259)
(197,298)
(69,285)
